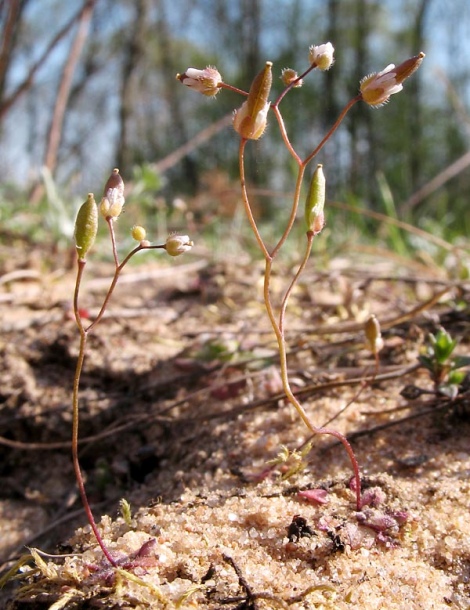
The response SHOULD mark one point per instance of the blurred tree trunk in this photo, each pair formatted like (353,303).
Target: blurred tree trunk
(250,37)
(250,26)
(10,16)
(133,53)
(7,102)
(330,108)
(363,164)
(177,129)
(55,130)
(414,91)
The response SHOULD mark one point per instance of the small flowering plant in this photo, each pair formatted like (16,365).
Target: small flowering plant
(249,122)
(86,227)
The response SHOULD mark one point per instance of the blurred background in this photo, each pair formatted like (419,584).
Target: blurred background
(86,86)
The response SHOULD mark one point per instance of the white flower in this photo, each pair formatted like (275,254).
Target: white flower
(322,56)
(376,89)
(178,244)
(205,81)
(112,203)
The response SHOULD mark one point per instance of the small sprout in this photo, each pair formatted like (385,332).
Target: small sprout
(321,56)
(442,366)
(138,233)
(178,244)
(315,202)
(126,512)
(86,227)
(298,529)
(251,118)
(292,462)
(205,81)
(290,77)
(373,335)
(377,88)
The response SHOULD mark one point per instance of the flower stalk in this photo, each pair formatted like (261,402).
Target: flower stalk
(86,226)
(250,122)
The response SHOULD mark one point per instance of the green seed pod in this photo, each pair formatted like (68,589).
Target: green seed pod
(314,204)
(260,89)
(86,226)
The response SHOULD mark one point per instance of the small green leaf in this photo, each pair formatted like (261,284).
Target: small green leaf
(460,361)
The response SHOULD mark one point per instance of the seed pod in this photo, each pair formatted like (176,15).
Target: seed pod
(251,118)
(373,334)
(315,202)
(86,227)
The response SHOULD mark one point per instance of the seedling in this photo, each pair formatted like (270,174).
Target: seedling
(443,366)
(250,122)
(86,227)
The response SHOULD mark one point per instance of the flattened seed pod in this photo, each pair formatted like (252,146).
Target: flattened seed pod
(86,227)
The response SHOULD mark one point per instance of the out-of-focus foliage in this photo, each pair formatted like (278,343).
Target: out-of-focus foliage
(126,109)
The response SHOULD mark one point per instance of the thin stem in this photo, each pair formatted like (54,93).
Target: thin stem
(75,418)
(246,201)
(278,328)
(331,131)
(293,83)
(285,137)
(293,214)
(110,222)
(282,313)
(232,88)
(112,286)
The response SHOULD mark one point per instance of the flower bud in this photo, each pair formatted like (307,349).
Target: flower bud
(289,76)
(113,199)
(251,118)
(86,227)
(321,56)
(314,204)
(115,181)
(377,88)
(373,335)
(178,244)
(205,81)
(138,233)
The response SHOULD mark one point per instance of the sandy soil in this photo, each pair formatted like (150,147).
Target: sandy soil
(181,412)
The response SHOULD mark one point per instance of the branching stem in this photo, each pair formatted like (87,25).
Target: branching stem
(278,322)
(84,332)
